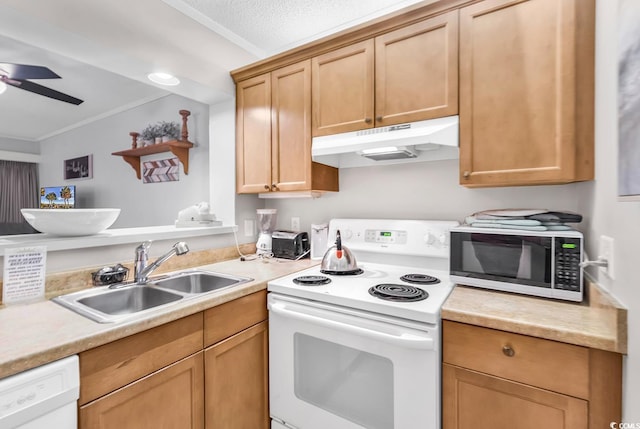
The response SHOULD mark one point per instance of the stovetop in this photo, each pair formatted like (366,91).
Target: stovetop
(386,250)
(353,291)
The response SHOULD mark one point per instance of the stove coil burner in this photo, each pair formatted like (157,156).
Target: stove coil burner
(353,272)
(312,280)
(398,293)
(420,279)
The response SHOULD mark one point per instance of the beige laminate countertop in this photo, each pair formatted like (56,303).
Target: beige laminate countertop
(600,322)
(41,332)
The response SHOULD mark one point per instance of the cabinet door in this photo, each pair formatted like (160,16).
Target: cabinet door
(291,127)
(170,398)
(253,135)
(236,381)
(342,89)
(517,92)
(473,400)
(417,71)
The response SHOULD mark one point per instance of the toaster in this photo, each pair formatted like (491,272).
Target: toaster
(289,244)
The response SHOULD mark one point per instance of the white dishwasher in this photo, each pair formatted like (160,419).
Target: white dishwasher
(41,398)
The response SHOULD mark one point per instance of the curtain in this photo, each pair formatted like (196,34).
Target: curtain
(18,189)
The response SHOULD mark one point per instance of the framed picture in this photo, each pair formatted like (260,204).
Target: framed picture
(78,168)
(628,100)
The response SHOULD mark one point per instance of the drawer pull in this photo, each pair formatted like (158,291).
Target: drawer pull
(508,351)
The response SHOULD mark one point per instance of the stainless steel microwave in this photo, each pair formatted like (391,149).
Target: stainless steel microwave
(540,263)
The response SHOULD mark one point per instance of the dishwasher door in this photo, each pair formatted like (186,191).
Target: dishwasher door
(42,398)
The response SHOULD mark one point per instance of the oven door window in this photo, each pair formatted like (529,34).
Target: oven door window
(353,384)
(515,258)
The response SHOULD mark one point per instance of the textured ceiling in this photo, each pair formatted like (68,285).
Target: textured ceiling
(104,50)
(267,27)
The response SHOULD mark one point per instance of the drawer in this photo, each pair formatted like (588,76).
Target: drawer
(550,365)
(228,319)
(111,366)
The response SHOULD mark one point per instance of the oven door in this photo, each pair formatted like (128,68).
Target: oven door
(332,367)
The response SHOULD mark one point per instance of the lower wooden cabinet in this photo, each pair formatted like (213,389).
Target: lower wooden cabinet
(170,398)
(237,381)
(494,379)
(209,370)
(480,401)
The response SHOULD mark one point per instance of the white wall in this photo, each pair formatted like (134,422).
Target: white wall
(427,190)
(608,215)
(114,182)
(17,145)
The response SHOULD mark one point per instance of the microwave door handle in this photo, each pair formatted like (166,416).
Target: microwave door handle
(403,340)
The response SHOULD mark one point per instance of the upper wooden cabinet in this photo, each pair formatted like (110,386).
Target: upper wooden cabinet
(405,75)
(526,92)
(253,135)
(273,134)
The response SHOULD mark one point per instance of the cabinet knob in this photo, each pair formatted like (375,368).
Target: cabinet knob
(368,120)
(466,174)
(266,187)
(274,187)
(379,118)
(508,351)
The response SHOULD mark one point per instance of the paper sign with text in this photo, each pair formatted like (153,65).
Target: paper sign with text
(24,274)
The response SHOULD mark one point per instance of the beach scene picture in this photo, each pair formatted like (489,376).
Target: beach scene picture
(58,197)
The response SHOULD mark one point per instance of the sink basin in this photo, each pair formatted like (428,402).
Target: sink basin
(130,300)
(198,282)
(117,302)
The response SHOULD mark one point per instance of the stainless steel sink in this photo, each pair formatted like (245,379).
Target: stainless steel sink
(117,302)
(198,282)
(129,300)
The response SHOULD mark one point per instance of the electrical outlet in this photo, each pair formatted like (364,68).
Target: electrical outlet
(295,224)
(249,228)
(605,251)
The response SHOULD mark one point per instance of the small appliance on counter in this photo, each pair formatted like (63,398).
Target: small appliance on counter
(266,225)
(319,238)
(531,262)
(289,244)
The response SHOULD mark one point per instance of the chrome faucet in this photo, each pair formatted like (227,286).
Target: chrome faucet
(142,271)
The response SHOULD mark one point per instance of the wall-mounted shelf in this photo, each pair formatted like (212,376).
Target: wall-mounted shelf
(177,147)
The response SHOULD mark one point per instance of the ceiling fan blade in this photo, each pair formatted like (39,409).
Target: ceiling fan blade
(25,71)
(43,90)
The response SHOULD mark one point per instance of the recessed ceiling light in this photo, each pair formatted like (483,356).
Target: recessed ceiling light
(3,87)
(163,79)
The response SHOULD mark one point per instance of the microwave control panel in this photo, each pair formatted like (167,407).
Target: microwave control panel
(568,274)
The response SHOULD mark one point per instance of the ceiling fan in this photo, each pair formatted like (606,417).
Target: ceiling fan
(16,75)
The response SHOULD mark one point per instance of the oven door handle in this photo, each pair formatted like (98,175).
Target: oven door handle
(402,339)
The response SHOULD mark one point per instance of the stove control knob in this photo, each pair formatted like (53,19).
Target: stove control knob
(442,239)
(429,238)
(346,234)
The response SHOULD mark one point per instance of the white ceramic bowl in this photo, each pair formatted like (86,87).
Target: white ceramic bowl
(70,222)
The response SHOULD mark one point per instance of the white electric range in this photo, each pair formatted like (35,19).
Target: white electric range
(363,350)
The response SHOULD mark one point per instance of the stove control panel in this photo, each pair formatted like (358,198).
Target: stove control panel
(401,237)
(385,236)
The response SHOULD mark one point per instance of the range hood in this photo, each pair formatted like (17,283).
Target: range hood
(429,140)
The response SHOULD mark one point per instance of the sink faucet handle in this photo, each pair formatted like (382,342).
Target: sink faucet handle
(141,258)
(144,246)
